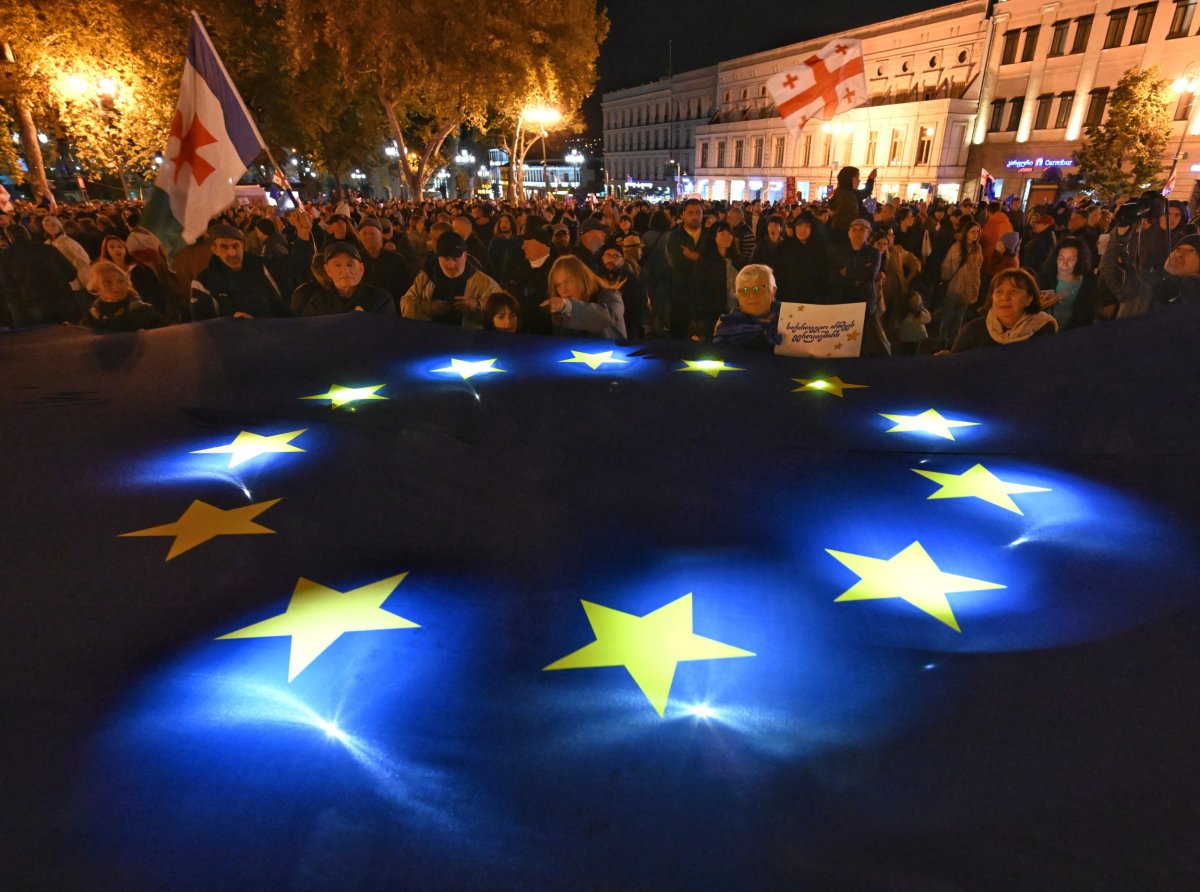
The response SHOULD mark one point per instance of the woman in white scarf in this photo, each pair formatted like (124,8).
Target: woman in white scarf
(1015,314)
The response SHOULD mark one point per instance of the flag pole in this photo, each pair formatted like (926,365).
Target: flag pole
(250,118)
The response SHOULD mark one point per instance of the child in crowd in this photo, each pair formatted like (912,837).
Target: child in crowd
(912,325)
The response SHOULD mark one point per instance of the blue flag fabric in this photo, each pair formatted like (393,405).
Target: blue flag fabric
(747,544)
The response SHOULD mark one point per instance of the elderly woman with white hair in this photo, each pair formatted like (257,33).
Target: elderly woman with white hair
(753,322)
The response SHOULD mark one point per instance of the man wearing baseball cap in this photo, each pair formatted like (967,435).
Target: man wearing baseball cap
(347,291)
(527,277)
(234,283)
(453,292)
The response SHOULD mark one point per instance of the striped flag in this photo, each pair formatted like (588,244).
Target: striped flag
(825,84)
(212,141)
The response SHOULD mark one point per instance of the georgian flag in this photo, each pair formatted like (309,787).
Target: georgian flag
(6,204)
(212,142)
(827,83)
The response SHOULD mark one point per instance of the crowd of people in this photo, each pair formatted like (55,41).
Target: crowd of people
(933,276)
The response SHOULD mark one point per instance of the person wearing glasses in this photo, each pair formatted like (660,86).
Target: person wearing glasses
(753,322)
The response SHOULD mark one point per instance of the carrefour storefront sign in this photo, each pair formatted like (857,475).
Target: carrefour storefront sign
(1031,163)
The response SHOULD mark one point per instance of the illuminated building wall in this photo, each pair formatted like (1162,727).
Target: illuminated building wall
(1054,66)
(924,71)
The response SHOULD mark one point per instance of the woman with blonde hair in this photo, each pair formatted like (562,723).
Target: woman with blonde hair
(581,303)
(117,306)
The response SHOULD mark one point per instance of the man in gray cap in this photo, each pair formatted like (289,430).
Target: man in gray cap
(527,277)
(348,291)
(234,283)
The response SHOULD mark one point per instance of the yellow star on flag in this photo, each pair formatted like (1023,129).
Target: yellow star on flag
(202,521)
(466,370)
(833,384)
(911,575)
(853,336)
(317,616)
(247,445)
(980,483)
(339,396)
(710,367)
(649,647)
(593,360)
(928,422)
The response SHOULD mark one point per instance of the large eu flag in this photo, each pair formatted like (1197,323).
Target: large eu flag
(360,603)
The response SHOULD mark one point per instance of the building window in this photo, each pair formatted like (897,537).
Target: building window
(872,143)
(1041,119)
(1009,54)
(925,146)
(779,143)
(1116,27)
(1183,111)
(1058,38)
(1083,30)
(1065,101)
(720,155)
(737,152)
(897,147)
(1095,113)
(1014,113)
(827,151)
(704,154)
(1181,21)
(1143,20)
(1031,38)
(997,118)
(848,149)
(806,155)
(758,152)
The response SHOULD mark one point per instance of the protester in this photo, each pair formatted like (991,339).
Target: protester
(1015,314)
(582,303)
(753,323)
(453,292)
(234,283)
(117,306)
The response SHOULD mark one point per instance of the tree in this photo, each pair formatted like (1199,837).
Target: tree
(1124,155)
(79,68)
(434,69)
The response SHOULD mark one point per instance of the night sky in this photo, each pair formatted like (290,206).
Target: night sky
(709,31)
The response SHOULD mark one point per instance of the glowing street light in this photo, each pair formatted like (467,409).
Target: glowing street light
(544,116)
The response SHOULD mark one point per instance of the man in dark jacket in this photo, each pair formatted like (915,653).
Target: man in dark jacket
(349,291)
(527,278)
(36,281)
(854,277)
(384,269)
(615,269)
(234,283)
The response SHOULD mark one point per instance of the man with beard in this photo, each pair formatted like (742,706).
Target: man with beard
(453,291)
(615,270)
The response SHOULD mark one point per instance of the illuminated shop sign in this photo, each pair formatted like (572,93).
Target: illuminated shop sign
(1027,164)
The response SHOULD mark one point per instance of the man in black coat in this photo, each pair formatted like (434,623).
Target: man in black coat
(234,283)
(36,281)
(527,278)
(384,269)
(349,292)
(615,269)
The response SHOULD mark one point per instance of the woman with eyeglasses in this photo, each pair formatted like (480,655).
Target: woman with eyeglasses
(753,322)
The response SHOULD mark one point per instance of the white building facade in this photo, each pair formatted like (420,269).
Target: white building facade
(1053,68)
(1006,87)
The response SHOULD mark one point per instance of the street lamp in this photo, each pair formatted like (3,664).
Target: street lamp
(544,116)
(575,159)
(467,160)
(1188,82)
(832,129)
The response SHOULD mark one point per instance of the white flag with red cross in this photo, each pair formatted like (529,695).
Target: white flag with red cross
(828,82)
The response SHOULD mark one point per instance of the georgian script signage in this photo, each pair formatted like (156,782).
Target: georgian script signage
(818,330)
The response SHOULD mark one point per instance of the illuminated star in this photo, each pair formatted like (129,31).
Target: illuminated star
(247,445)
(980,483)
(928,422)
(710,367)
(470,369)
(833,384)
(649,646)
(911,575)
(202,521)
(339,396)
(593,360)
(317,616)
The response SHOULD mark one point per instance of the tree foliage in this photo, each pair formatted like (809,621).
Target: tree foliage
(435,70)
(1123,156)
